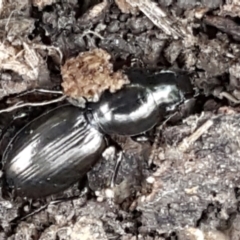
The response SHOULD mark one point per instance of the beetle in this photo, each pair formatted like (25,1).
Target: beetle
(61,137)
(58,148)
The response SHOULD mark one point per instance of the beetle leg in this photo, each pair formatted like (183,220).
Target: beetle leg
(116,168)
(156,142)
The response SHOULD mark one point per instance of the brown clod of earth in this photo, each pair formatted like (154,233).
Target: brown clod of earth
(90,74)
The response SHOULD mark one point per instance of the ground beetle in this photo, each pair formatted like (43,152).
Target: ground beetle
(58,148)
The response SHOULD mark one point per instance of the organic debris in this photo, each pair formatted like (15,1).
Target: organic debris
(90,74)
(178,181)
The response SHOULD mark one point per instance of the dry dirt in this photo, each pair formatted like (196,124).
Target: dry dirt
(182,184)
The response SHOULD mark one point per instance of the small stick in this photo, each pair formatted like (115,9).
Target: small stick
(87,32)
(40,209)
(188,141)
(159,18)
(53,202)
(40,90)
(17,106)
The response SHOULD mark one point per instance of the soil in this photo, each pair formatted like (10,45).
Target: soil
(182,181)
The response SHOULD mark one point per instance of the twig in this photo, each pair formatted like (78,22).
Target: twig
(53,202)
(188,141)
(17,106)
(40,90)
(40,209)
(8,19)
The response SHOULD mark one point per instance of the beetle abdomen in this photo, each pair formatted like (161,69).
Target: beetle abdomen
(52,152)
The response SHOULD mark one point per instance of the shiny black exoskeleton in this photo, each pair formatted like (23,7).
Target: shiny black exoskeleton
(58,148)
(138,107)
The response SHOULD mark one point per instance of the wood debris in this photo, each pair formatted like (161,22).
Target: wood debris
(26,61)
(156,14)
(187,142)
(94,13)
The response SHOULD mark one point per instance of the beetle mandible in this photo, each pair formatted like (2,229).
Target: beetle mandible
(58,148)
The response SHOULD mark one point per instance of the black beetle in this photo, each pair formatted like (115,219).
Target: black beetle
(58,148)
(52,152)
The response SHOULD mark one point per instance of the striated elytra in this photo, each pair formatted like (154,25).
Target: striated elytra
(58,148)
(52,152)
